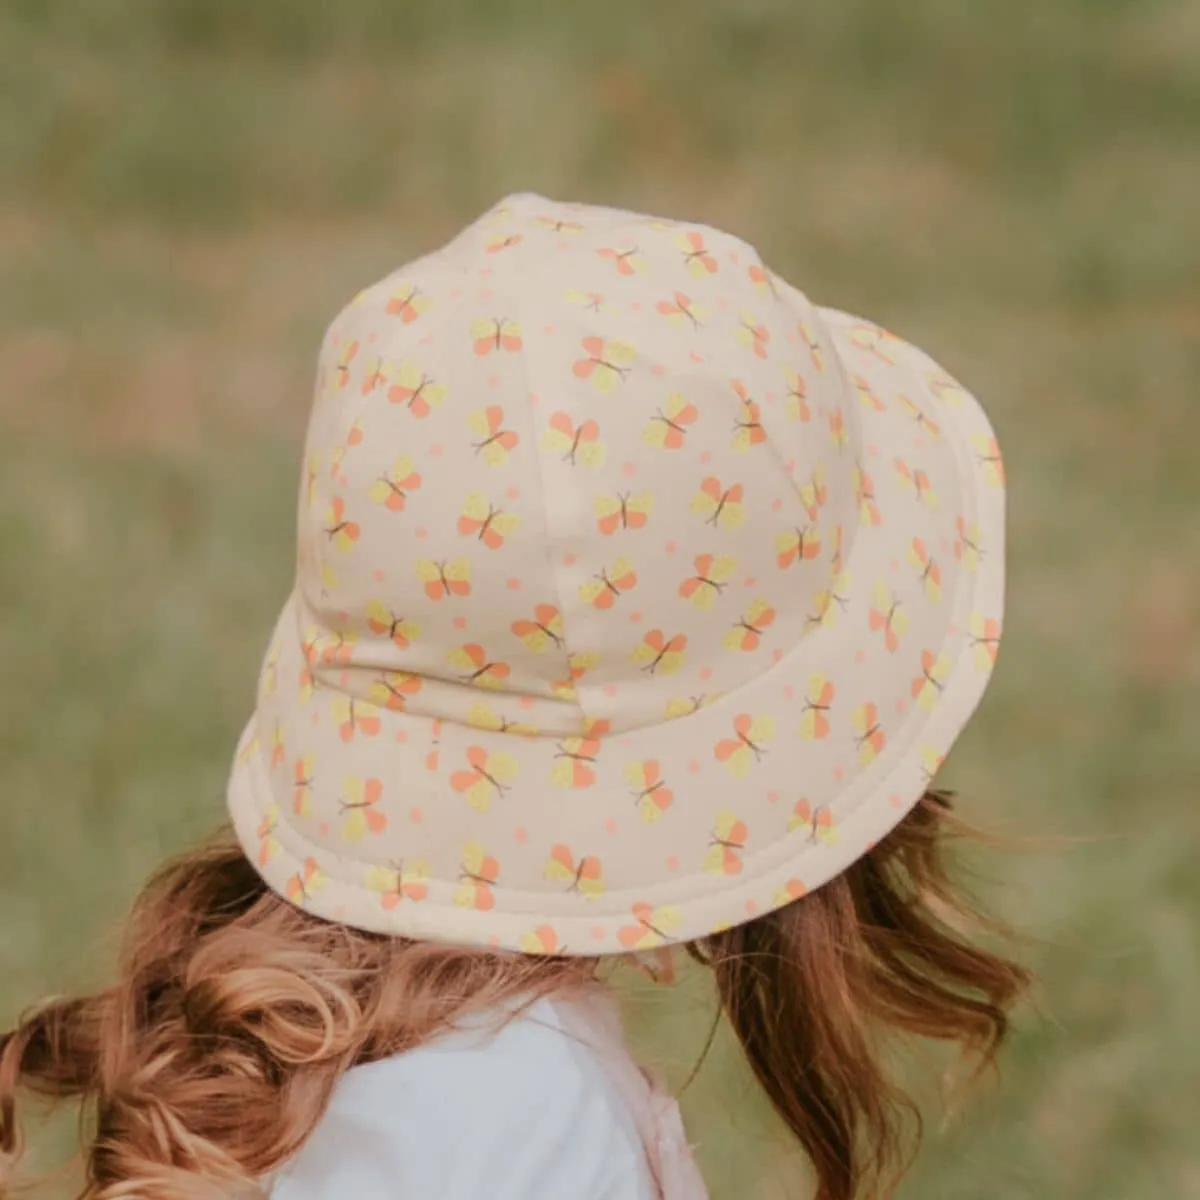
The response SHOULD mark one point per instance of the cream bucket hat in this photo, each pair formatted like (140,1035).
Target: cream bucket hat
(636,594)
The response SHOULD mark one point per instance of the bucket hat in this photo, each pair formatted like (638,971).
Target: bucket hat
(636,596)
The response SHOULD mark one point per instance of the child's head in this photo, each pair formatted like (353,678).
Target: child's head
(638,602)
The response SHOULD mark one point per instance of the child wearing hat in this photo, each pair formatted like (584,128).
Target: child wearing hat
(638,601)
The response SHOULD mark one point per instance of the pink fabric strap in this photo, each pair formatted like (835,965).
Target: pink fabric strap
(595,1022)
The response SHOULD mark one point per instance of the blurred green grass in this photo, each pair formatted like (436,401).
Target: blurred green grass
(189,191)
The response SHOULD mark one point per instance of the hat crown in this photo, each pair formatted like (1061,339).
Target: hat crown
(579,470)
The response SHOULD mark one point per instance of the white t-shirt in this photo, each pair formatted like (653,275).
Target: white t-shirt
(526,1113)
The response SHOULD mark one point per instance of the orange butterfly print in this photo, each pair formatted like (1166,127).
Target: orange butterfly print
(931,763)
(726,844)
(342,532)
(795,403)
(988,453)
(814,347)
(753,334)
(543,940)
(486,777)
(650,794)
(814,721)
(623,511)
(713,572)
(481,671)
(483,520)
(918,414)
(306,883)
(870,737)
(864,491)
(607,362)
(668,430)
(867,394)
(399,881)
(605,589)
(392,490)
(796,546)
(375,375)
(494,335)
(746,747)
(544,631)
(278,744)
(574,762)
(341,373)
(503,241)
(985,640)
(681,311)
(479,874)
(719,505)
(968,546)
(917,481)
(302,796)
(874,339)
(818,820)
(393,689)
(794,889)
(813,493)
(338,648)
(592,301)
(577,445)
(887,616)
(659,654)
(494,443)
(697,258)
(628,260)
(357,806)
(684,706)
(445,579)
(579,663)
(416,390)
(384,622)
(268,845)
(763,280)
(353,717)
(483,716)
(652,927)
(558,225)
(747,634)
(927,687)
(837,429)
(929,572)
(407,303)
(585,876)
(748,429)
(828,601)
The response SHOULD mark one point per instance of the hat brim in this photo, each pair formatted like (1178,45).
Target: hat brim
(865,796)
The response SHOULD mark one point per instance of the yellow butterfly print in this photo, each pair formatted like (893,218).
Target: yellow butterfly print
(928,569)
(376,374)
(543,631)
(302,796)
(623,511)
(968,546)
(605,589)
(869,737)
(989,456)
(794,889)
(748,429)
(579,663)
(651,927)
(342,532)
(713,573)
(684,706)
(393,689)
(445,579)
(659,654)
(650,794)
(813,493)
(985,640)
(495,443)
(627,260)
(867,394)
(592,301)
(306,883)
(931,763)
(503,241)
(392,490)
(268,845)
(817,819)
(828,601)
(574,762)
(697,258)
(947,389)
(486,777)
(415,390)
(399,882)
(753,334)
(887,616)
(607,363)
(585,876)
(740,752)
(747,634)
(278,743)
(935,670)
(481,669)
(726,844)
(669,426)
(558,225)
(353,717)
(341,372)
(797,546)
(360,815)
(543,940)
(924,423)
(864,490)
(837,429)
(484,521)
(719,505)
(681,311)
(483,716)
(383,621)
(495,335)
(407,303)
(795,404)
(818,700)
(480,872)
(916,479)
(805,331)
(578,445)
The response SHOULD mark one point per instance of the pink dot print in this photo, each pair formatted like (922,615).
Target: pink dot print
(706,673)
(533,400)
(673,863)
(372,338)
(380,576)
(343,678)
(751,908)
(694,767)
(415,815)
(658,370)
(548,328)
(569,560)
(436,450)
(454,295)
(776,655)
(873,451)
(706,456)
(324,827)
(401,736)
(734,257)
(839,772)
(860,657)
(513,584)
(343,481)
(513,492)
(789,692)
(636,306)
(896,799)
(773,796)
(422,532)
(695,356)
(610,690)
(776,504)
(636,618)
(750,581)
(610,826)
(314,718)
(599,932)
(485,293)
(901,707)
(670,547)
(629,469)
(460,622)
(494,941)
(522,835)
(722,303)
(525,702)
(493,381)
(895,565)
(339,913)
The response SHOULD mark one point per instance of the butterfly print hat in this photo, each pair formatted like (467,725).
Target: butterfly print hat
(636,594)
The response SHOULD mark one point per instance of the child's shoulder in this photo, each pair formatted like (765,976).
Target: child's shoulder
(523,1110)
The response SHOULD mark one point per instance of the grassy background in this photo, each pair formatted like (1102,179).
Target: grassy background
(190,189)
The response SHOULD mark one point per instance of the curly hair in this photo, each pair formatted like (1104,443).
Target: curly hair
(234,1015)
